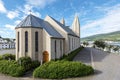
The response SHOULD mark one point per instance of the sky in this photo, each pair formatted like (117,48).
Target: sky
(95,16)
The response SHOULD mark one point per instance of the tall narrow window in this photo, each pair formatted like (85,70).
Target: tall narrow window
(18,42)
(26,41)
(36,41)
(55,46)
(72,43)
(55,49)
(61,48)
(60,45)
(69,44)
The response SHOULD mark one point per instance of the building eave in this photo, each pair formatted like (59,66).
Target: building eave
(56,38)
(28,27)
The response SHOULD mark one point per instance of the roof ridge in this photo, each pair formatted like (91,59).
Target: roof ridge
(30,19)
(66,29)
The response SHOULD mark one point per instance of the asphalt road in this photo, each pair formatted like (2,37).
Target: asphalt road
(106,65)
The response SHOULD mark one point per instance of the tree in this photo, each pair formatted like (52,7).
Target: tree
(85,43)
(116,48)
(100,44)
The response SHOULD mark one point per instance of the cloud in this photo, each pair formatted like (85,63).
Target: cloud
(109,23)
(27,9)
(40,3)
(12,27)
(17,22)
(16,13)
(7,32)
(9,14)
(2,7)
(13,14)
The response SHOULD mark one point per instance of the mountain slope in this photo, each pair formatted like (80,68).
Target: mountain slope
(113,36)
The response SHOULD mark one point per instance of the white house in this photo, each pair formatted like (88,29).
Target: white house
(46,39)
(4,44)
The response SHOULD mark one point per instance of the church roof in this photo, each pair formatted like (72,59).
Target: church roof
(35,22)
(30,21)
(51,30)
(67,29)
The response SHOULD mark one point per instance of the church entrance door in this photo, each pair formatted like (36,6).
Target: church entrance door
(45,56)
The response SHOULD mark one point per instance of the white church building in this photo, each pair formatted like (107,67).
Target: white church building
(47,39)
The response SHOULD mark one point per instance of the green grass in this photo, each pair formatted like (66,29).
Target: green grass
(71,55)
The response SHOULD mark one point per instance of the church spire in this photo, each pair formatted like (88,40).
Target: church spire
(62,21)
(76,26)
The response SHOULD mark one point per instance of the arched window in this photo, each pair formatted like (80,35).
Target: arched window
(26,41)
(36,41)
(18,42)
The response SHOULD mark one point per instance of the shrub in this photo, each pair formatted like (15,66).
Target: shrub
(35,64)
(11,68)
(1,57)
(8,56)
(27,63)
(62,69)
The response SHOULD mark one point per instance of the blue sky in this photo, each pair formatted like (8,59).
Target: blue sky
(96,16)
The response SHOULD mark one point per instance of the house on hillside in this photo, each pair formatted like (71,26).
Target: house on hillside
(47,39)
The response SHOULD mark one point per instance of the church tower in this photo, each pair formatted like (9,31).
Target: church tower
(62,21)
(29,38)
(76,26)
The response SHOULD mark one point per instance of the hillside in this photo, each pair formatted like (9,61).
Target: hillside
(113,36)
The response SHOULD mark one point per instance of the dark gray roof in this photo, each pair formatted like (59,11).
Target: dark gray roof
(67,29)
(35,22)
(30,21)
(51,30)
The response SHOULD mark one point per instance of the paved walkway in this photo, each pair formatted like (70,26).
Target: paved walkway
(107,66)
(9,51)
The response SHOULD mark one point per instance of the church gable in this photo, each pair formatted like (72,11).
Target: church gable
(66,29)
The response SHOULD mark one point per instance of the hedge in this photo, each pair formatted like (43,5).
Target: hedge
(17,68)
(7,57)
(71,55)
(11,68)
(62,69)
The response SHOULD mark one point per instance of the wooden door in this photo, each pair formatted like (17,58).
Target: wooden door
(45,56)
